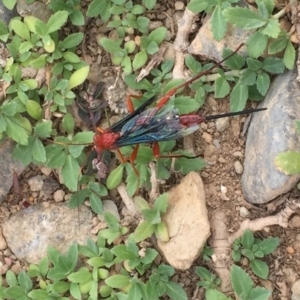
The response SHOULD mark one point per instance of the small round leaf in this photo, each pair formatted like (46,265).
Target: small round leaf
(34,109)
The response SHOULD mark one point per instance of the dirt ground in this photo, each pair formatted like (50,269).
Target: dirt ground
(222,184)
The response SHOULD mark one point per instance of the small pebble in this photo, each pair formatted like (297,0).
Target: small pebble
(207,137)
(238,167)
(244,212)
(203,126)
(222,160)
(58,195)
(222,124)
(290,250)
(217,144)
(204,174)
(179,5)
(36,183)
(46,171)
(237,154)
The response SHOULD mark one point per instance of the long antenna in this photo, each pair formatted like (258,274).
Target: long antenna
(244,112)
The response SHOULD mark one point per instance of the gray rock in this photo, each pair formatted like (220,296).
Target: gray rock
(37,9)
(238,167)
(31,231)
(187,223)
(206,46)
(5,14)
(36,183)
(272,132)
(8,167)
(222,124)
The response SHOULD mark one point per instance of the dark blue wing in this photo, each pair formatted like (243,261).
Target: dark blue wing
(117,126)
(154,125)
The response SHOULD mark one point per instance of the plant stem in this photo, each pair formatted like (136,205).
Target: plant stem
(214,77)
(280,14)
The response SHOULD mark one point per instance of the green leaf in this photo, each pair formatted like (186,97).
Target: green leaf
(192,64)
(175,291)
(272,29)
(262,9)
(110,46)
(25,281)
(197,6)
(14,292)
(137,9)
(82,276)
(10,4)
(259,268)
(9,109)
(115,177)
(152,48)
(238,97)
(31,83)
(11,278)
(60,287)
(38,151)
(253,64)
(44,266)
(3,28)
(218,23)
(158,35)
(34,109)
(273,65)
(263,83)
(96,203)
(241,282)
(56,21)
(288,162)
(122,252)
(85,137)
(259,293)
(78,77)
(289,56)
(244,18)
(72,40)
(235,62)
(186,105)
(248,77)
(186,165)
(269,245)
(221,87)
(212,294)
(279,44)
(71,57)
(117,281)
(20,29)
(135,292)
(17,133)
(161,203)
(143,231)
(126,64)
(130,81)
(77,17)
(139,60)
(142,24)
(68,123)
(39,62)
(116,10)
(38,294)
(70,173)
(247,239)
